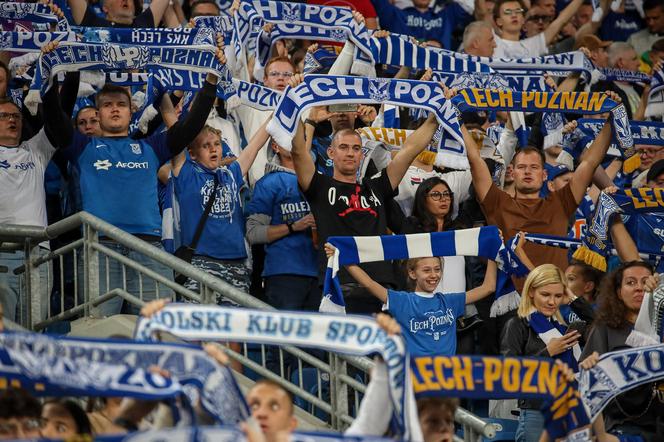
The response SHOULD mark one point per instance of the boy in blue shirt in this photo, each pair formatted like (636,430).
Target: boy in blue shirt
(427,319)
(118,179)
(432,25)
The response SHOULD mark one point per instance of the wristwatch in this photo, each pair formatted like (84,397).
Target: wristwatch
(290,227)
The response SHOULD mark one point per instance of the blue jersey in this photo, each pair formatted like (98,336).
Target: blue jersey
(428,322)
(434,24)
(619,26)
(223,235)
(118,179)
(277,195)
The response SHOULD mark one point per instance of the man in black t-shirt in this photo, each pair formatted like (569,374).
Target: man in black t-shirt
(120,13)
(342,206)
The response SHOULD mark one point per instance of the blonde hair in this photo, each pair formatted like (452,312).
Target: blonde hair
(411,265)
(539,277)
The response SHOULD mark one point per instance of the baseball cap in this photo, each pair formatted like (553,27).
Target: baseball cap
(592,42)
(655,170)
(553,172)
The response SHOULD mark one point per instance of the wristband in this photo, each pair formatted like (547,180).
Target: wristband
(290,228)
(311,122)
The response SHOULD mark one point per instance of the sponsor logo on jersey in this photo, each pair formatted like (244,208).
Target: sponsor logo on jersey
(4,164)
(102,164)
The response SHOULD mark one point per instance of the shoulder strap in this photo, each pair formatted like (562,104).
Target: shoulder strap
(204,217)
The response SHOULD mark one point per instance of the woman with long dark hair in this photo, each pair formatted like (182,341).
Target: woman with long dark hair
(433,208)
(634,413)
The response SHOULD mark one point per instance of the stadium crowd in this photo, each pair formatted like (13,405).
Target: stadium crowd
(258,215)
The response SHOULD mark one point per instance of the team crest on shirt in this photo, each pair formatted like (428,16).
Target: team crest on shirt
(136,148)
(415,180)
(379,89)
(4,164)
(434,324)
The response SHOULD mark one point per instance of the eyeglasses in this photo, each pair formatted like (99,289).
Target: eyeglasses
(517,11)
(280,74)
(540,18)
(28,425)
(6,116)
(437,196)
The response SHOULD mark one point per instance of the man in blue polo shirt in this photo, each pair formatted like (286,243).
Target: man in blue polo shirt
(118,180)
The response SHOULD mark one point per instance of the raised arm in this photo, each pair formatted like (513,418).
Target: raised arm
(78,8)
(302,161)
(487,287)
(158,8)
(414,144)
(623,242)
(481,175)
(365,281)
(591,158)
(565,15)
(248,155)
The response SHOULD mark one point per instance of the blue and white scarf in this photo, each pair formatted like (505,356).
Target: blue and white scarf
(564,102)
(549,328)
(321,17)
(70,56)
(150,36)
(493,377)
(618,372)
(655,107)
(634,202)
(226,434)
(31,41)
(97,367)
(321,90)
(643,132)
(613,74)
(32,12)
(355,335)
(481,241)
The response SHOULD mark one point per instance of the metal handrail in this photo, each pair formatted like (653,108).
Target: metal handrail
(16,237)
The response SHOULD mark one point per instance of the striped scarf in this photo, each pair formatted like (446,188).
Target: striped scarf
(98,367)
(321,90)
(549,328)
(482,241)
(355,335)
(69,56)
(32,12)
(563,102)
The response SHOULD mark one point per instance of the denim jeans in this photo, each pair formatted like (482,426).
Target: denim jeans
(531,425)
(10,283)
(133,285)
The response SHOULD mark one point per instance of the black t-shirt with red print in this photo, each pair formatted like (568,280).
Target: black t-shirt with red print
(351,209)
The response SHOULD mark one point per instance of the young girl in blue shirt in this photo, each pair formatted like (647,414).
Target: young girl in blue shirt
(427,318)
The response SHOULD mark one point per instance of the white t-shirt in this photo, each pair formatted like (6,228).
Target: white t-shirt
(459,183)
(22,194)
(528,47)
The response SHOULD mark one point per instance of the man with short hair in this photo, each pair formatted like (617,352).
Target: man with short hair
(597,48)
(22,193)
(204,8)
(120,13)
(342,205)
(527,211)
(271,406)
(478,39)
(537,19)
(643,40)
(278,72)
(114,162)
(509,16)
(623,56)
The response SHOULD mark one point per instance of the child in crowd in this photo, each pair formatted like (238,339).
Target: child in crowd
(427,318)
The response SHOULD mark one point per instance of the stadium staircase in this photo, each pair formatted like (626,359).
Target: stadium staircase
(325,394)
